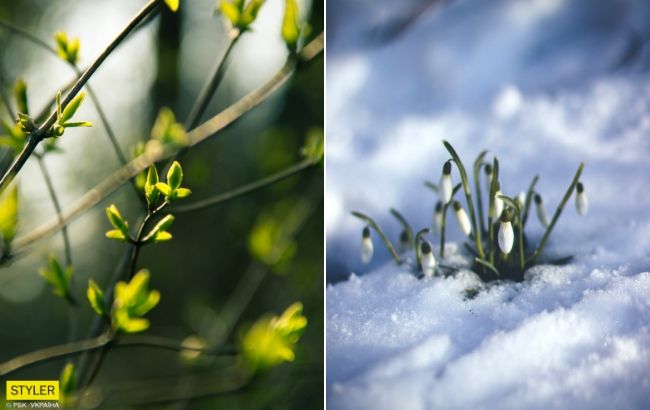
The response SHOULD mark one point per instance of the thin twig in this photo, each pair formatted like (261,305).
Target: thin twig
(244,189)
(42,132)
(196,136)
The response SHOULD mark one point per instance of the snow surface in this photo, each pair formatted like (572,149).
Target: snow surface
(541,84)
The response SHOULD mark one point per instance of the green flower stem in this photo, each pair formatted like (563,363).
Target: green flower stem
(196,136)
(42,132)
(477,184)
(513,204)
(381,234)
(244,189)
(493,191)
(405,226)
(556,215)
(529,196)
(468,197)
(443,228)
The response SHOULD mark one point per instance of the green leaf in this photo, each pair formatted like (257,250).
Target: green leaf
(182,193)
(162,236)
(250,12)
(9,214)
(229,11)
(72,108)
(314,147)
(96,298)
(116,234)
(123,322)
(78,124)
(175,176)
(163,188)
(290,25)
(116,219)
(167,130)
(150,192)
(132,300)
(58,277)
(172,4)
(67,380)
(20,94)
(61,39)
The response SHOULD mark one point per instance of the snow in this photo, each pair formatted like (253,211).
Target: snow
(539,84)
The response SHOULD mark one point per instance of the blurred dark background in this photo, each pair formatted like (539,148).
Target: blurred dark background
(165,64)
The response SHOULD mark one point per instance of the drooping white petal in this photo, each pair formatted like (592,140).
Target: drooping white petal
(463,221)
(367,250)
(506,237)
(495,212)
(445,188)
(582,203)
(428,262)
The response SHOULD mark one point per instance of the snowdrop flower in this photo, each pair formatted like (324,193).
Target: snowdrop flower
(366,246)
(463,220)
(437,217)
(541,213)
(497,208)
(445,186)
(488,175)
(427,261)
(506,235)
(582,202)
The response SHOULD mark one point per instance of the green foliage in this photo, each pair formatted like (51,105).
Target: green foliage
(272,340)
(172,189)
(172,4)
(96,298)
(132,301)
(12,137)
(121,231)
(63,115)
(314,148)
(68,49)
(151,193)
(167,130)
(239,15)
(58,277)
(9,215)
(20,94)
(67,383)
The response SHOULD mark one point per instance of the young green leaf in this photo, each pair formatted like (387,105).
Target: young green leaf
(72,108)
(230,11)
(133,300)
(250,13)
(160,228)
(58,277)
(314,147)
(115,218)
(167,130)
(163,188)
(9,215)
(78,124)
(20,94)
(182,193)
(116,234)
(67,381)
(172,4)
(175,176)
(150,192)
(96,298)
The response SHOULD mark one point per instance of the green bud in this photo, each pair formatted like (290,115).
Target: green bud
(20,93)
(290,24)
(96,298)
(175,176)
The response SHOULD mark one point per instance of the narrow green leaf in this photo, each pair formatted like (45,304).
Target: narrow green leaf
(96,298)
(68,380)
(77,124)
(172,4)
(9,214)
(72,108)
(116,219)
(175,176)
(163,188)
(290,25)
(20,94)
(488,265)
(230,12)
(182,193)
(116,234)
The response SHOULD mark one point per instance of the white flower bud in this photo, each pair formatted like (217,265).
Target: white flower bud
(582,202)
(463,220)
(445,187)
(506,235)
(427,260)
(437,217)
(541,213)
(366,246)
(497,208)
(521,199)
